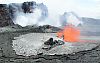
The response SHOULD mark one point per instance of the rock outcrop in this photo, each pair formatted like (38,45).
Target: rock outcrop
(5,19)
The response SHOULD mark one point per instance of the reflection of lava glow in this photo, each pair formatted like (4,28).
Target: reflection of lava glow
(69,34)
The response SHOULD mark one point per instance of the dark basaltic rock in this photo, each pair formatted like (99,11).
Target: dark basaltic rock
(5,19)
(42,29)
(49,42)
(28,6)
(52,43)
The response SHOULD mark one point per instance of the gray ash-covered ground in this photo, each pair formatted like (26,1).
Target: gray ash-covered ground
(8,55)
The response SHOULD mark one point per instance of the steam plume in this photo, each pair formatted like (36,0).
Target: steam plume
(32,13)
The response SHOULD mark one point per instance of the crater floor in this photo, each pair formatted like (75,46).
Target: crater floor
(32,43)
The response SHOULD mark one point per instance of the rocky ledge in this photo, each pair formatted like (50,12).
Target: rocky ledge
(5,19)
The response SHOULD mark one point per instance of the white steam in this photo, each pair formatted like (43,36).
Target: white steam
(25,19)
(50,16)
(72,19)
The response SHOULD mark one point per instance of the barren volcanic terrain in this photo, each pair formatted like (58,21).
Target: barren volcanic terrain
(24,44)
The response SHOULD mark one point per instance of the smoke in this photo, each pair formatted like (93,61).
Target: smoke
(28,13)
(32,13)
(25,19)
(74,19)
(70,18)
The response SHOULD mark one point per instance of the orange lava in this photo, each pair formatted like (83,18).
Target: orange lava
(59,34)
(69,34)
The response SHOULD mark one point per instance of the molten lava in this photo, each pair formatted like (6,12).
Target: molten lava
(60,34)
(69,34)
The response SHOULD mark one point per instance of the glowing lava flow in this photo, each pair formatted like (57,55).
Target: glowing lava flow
(69,34)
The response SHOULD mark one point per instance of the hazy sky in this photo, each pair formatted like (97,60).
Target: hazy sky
(87,8)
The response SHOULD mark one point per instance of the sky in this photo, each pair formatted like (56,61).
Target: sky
(84,8)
